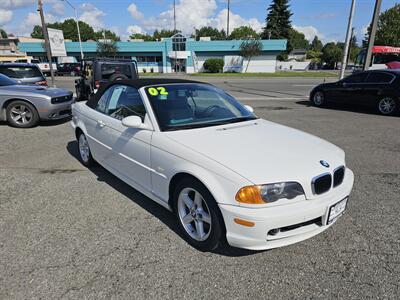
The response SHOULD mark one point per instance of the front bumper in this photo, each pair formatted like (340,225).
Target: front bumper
(301,220)
(56,111)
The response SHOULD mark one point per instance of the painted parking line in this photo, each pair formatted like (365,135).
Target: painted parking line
(303,84)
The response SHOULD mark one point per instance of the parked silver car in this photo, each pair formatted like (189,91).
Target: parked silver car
(23,73)
(25,105)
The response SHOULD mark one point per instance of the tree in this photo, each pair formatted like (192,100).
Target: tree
(69,29)
(388,28)
(249,49)
(316,44)
(332,54)
(3,34)
(141,36)
(37,32)
(106,34)
(297,40)
(278,22)
(213,33)
(107,49)
(164,33)
(243,32)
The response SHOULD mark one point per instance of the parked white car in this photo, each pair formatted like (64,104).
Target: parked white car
(225,173)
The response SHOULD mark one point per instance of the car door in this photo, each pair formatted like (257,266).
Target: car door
(351,88)
(97,129)
(378,83)
(130,146)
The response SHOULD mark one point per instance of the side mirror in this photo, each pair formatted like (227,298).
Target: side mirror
(249,108)
(132,122)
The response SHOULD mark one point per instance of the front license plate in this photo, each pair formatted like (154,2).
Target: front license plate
(336,210)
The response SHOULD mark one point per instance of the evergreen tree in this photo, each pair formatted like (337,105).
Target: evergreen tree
(316,44)
(278,22)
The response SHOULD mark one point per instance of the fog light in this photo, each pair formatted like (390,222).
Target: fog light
(274,231)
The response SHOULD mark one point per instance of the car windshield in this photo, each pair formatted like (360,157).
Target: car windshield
(4,80)
(20,72)
(185,106)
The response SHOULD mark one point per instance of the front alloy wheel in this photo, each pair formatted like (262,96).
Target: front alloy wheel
(22,114)
(318,98)
(387,106)
(198,215)
(84,151)
(194,214)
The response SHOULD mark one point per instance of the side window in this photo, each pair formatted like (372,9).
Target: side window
(102,104)
(379,77)
(125,101)
(357,78)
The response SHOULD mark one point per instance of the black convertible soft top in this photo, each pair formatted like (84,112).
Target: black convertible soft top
(136,83)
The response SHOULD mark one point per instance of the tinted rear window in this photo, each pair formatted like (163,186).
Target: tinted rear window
(20,72)
(379,77)
(107,70)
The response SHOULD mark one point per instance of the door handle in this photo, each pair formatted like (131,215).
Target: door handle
(101,123)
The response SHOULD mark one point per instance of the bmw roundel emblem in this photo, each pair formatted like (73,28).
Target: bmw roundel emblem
(324,163)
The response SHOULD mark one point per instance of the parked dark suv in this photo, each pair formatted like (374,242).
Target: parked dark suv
(99,71)
(376,88)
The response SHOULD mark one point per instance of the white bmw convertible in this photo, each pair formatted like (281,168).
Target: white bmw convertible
(225,173)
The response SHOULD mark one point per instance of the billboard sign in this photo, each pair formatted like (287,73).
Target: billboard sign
(57,44)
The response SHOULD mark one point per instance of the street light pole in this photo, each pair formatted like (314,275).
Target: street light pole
(348,38)
(227,19)
(371,39)
(77,26)
(46,40)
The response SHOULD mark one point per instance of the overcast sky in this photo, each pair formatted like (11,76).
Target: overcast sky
(325,18)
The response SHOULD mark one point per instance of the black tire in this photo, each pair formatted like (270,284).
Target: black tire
(28,115)
(317,98)
(88,160)
(117,77)
(217,230)
(387,105)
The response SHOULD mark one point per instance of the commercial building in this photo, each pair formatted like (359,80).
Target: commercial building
(177,54)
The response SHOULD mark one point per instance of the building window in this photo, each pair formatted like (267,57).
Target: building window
(178,42)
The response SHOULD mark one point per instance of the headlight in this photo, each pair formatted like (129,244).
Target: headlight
(267,193)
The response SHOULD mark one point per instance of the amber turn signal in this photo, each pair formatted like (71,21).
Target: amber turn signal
(249,195)
(243,222)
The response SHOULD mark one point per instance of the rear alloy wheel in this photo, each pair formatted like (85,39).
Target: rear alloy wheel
(84,151)
(318,98)
(22,114)
(198,215)
(387,106)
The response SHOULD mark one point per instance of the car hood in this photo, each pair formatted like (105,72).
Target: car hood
(32,89)
(263,151)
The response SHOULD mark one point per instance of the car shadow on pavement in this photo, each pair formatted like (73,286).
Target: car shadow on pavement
(149,205)
(42,123)
(347,107)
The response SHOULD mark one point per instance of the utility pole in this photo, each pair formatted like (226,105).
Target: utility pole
(174,16)
(46,40)
(227,19)
(371,39)
(77,26)
(348,38)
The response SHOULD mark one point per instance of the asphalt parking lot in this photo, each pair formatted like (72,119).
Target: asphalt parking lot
(70,232)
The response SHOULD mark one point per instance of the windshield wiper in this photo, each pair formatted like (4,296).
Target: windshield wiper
(215,123)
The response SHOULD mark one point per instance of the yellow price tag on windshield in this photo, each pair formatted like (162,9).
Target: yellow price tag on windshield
(157,91)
